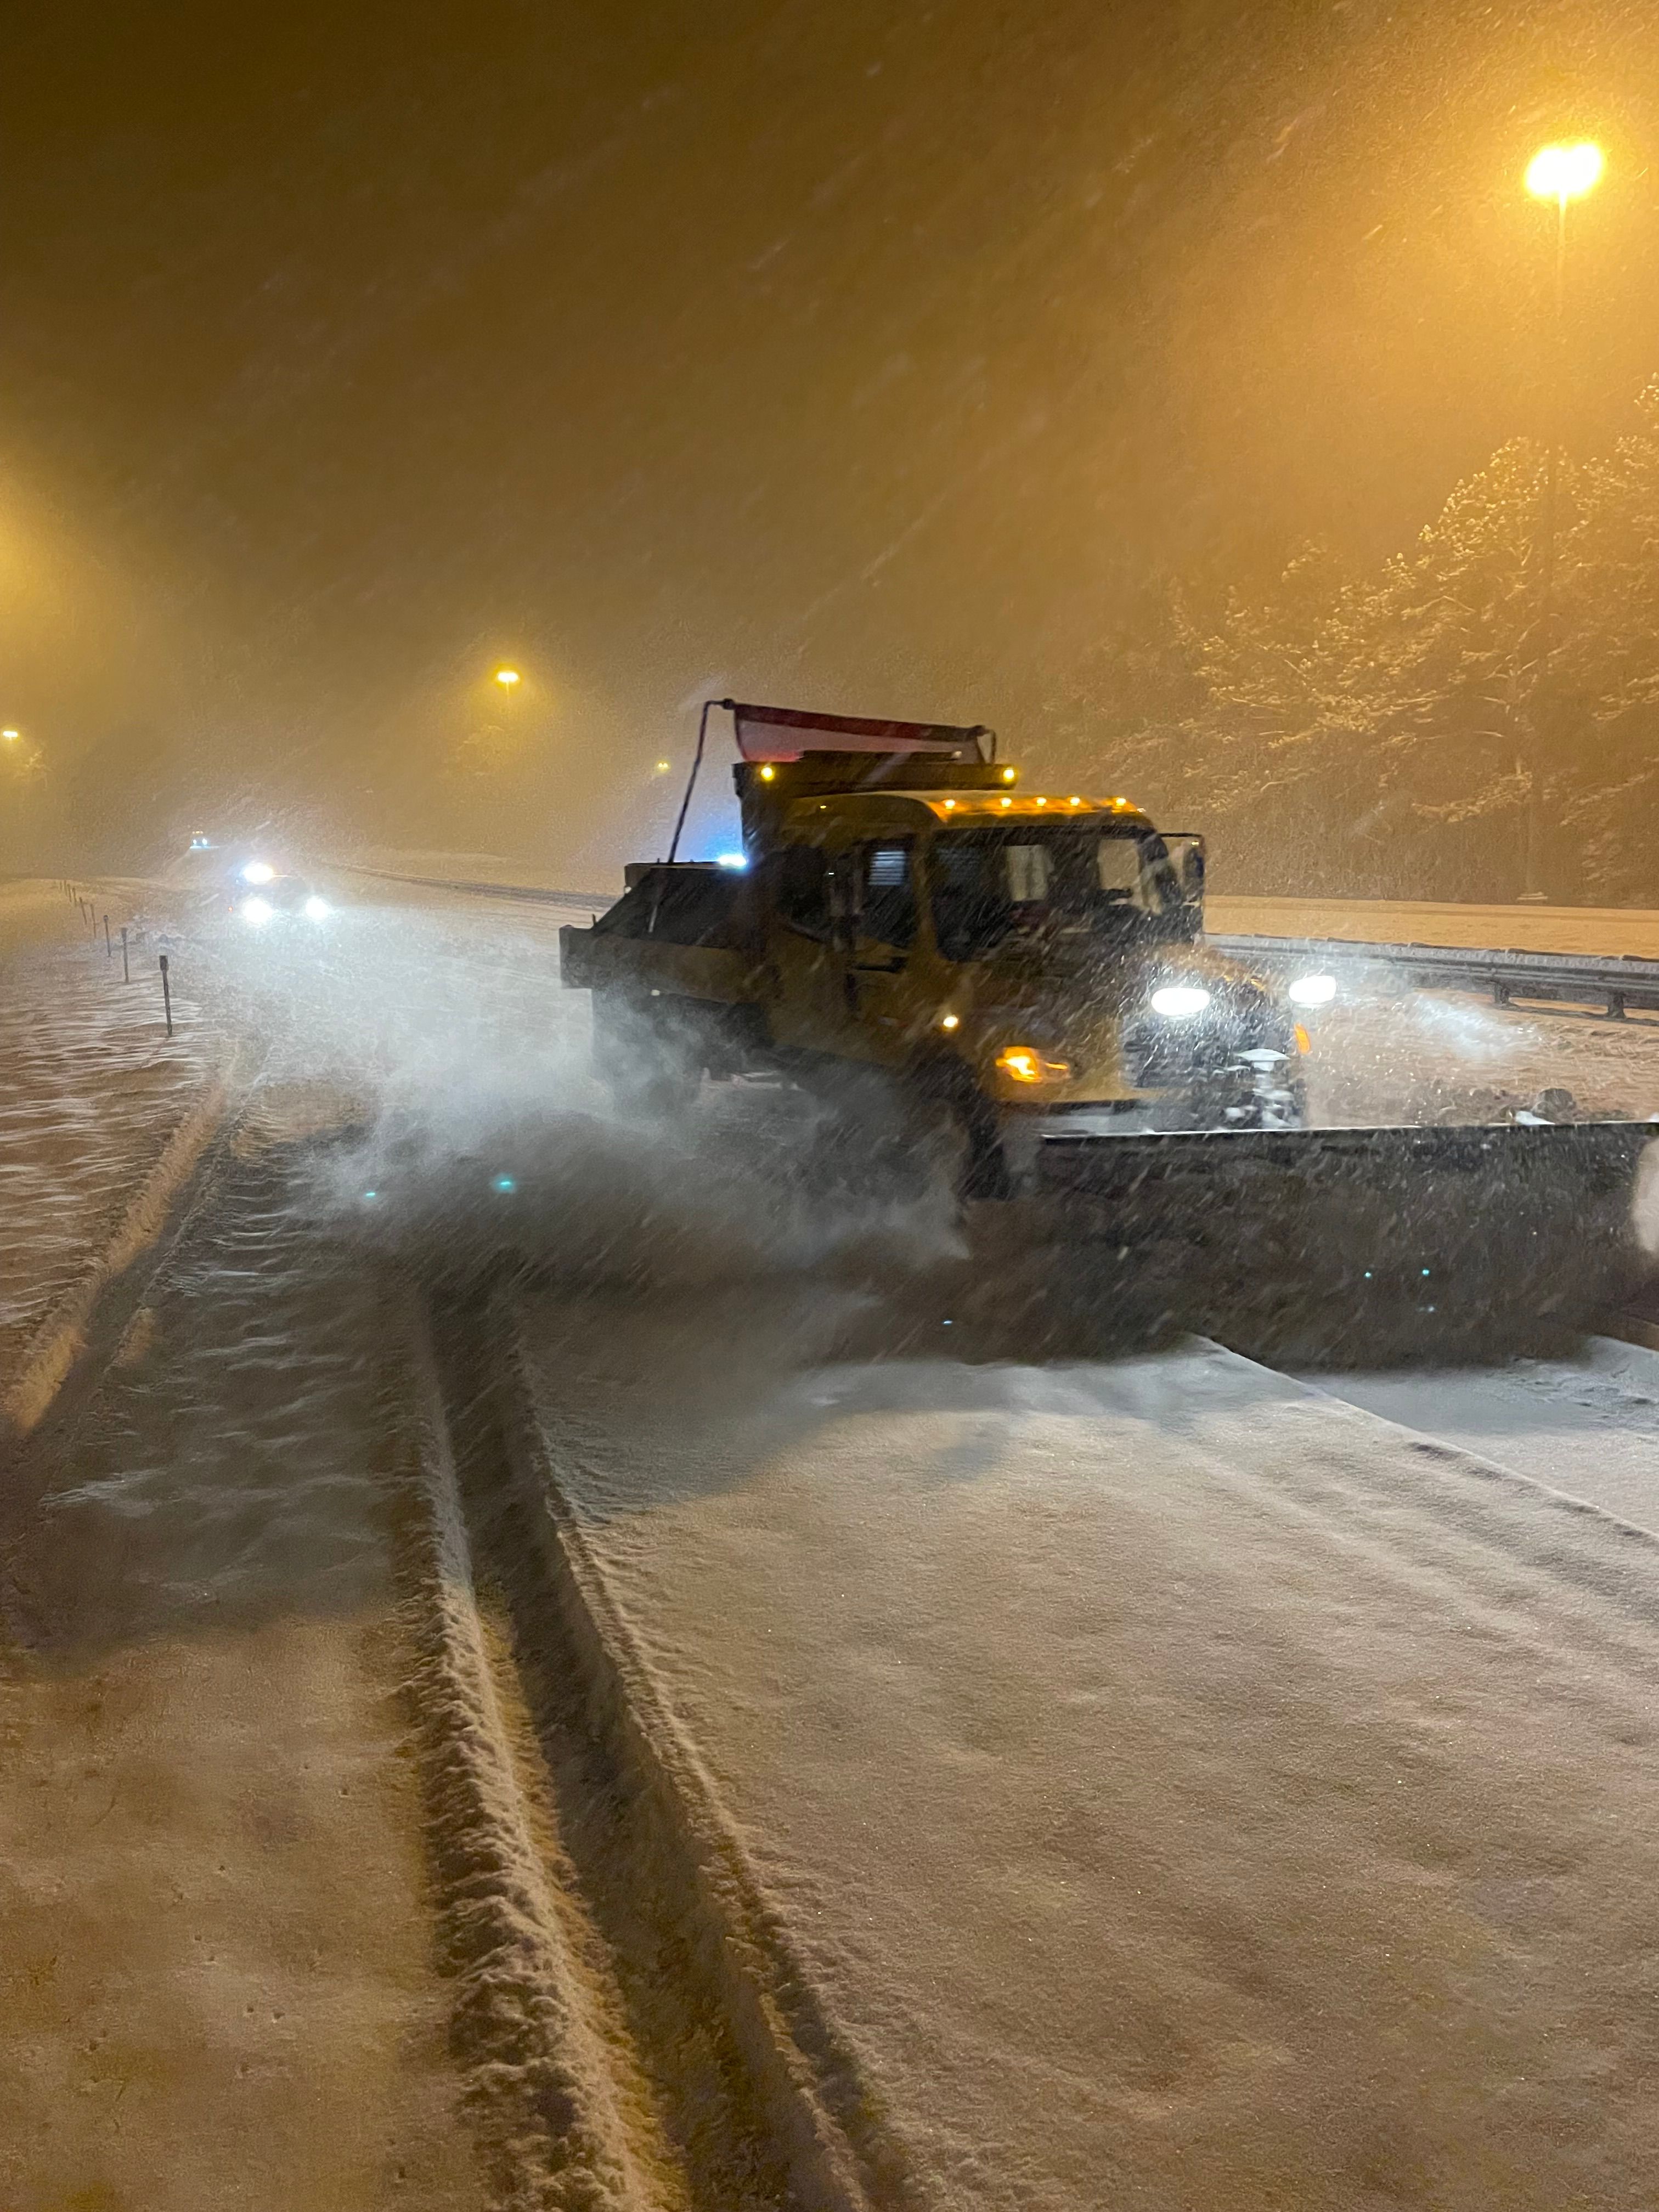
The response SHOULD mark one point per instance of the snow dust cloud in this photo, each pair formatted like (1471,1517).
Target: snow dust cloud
(443,1086)
(469,1126)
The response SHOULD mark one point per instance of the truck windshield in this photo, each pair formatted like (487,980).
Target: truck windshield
(1000,881)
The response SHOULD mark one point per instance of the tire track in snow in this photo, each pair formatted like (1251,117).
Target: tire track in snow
(540,2092)
(635,2030)
(821,2111)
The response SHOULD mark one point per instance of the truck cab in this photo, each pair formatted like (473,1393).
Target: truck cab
(1019,959)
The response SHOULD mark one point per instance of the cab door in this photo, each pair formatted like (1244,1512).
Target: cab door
(845,915)
(880,875)
(804,968)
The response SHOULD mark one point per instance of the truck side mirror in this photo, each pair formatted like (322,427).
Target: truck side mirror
(1186,851)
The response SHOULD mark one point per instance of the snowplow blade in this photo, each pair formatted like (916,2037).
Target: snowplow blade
(1468,1224)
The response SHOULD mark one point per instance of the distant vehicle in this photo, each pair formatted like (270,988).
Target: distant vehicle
(267,896)
(201,842)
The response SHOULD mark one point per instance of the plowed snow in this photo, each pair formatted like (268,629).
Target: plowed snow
(1190,1791)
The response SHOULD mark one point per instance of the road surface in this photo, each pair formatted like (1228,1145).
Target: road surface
(713,1721)
(1187,1789)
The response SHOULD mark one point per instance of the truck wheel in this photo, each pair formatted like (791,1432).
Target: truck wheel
(953,1123)
(985,1168)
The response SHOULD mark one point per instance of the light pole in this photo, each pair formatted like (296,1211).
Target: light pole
(1562,173)
(508,679)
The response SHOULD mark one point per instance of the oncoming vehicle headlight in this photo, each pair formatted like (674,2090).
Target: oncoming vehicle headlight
(1312,991)
(315,908)
(1025,1064)
(1179,1002)
(257,911)
(258,871)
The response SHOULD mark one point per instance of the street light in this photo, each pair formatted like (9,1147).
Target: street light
(1565,172)
(506,678)
(9,735)
(1562,173)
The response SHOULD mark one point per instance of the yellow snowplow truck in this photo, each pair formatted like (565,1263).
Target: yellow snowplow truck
(1030,967)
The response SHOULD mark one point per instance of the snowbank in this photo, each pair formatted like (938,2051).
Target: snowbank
(102,1117)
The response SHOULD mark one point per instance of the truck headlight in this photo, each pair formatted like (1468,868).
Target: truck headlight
(315,908)
(256,910)
(1179,1002)
(1312,991)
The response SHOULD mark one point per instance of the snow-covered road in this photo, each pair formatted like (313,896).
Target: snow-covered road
(1175,1783)
(1588,1427)
(1186,1789)
(217,1980)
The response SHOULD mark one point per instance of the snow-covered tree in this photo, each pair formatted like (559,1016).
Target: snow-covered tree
(1393,724)
(1608,680)
(1412,709)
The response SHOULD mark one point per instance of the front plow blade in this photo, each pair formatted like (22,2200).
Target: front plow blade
(1414,1236)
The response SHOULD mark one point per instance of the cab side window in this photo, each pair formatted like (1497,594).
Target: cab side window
(1120,870)
(887,892)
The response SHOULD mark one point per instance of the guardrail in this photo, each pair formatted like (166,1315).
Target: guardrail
(1620,984)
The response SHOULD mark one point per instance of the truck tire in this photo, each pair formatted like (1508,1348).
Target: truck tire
(958,1124)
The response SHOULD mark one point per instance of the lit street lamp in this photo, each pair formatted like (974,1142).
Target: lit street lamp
(10,735)
(1562,173)
(1565,172)
(506,678)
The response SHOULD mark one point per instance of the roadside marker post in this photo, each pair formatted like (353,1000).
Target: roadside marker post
(126,972)
(167,995)
(109,949)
